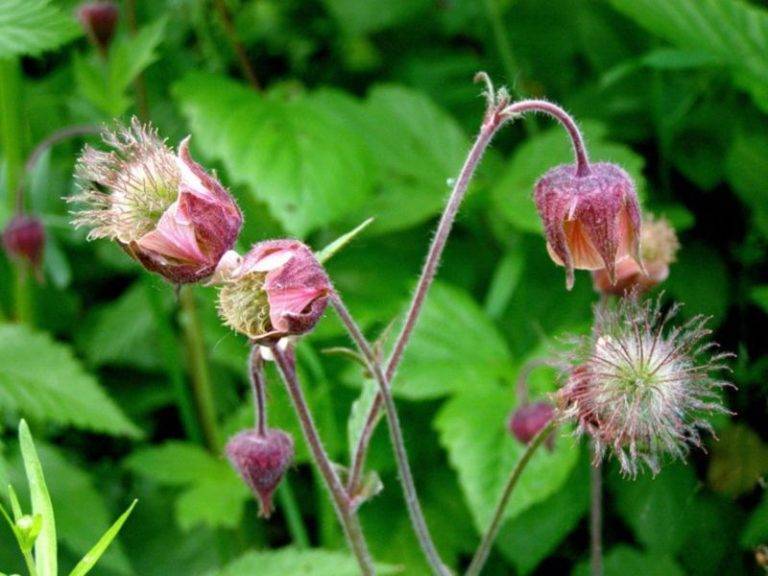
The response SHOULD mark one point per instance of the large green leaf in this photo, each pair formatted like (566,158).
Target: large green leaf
(41,378)
(297,563)
(33,26)
(513,192)
(732,32)
(473,429)
(293,153)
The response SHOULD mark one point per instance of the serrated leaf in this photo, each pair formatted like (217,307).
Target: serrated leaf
(174,463)
(93,555)
(41,378)
(298,563)
(473,429)
(281,148)
(46,557)
(732,32)
(29,27)
(216,503)
(513,193)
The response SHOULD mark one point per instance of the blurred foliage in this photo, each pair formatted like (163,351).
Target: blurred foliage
(367,109)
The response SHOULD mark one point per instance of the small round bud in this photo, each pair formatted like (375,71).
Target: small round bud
(261,461)
(24,239)
(530,419)
(99,20)
(277,289)
(658,248)
(591,221)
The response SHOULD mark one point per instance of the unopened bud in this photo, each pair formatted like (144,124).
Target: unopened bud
(528,420)
(99,20)
(24,239)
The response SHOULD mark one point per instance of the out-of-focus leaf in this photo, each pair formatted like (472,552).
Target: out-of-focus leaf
(93,555)
(712,537)
(41,378)
(296,562)
(759,296)
(473,429)
(732,32)
(746,168)
(303,161)
(625,561)
(658,509)
(527,539)
(739,460)
(28,27)
(505,279)
(364,17)
(513,193)
(358,414)
(756,530)
(454,347)
(699,279)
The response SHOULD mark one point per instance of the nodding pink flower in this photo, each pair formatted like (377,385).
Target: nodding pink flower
(162,208)
(591,221)
(530,419)
(640,390)
(658,248)
(99,20)
(24,240)
(277,289)
(261,460)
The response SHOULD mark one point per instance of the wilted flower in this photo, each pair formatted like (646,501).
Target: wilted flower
(99,20)
(161,207)
(277,289)
(640,389)
(530,419)
(591,221)
(24,239)
(261,460)
(658,248)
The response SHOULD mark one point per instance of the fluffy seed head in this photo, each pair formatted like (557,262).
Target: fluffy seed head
(161,207)
(277,289)
(591,221)
(24,239)
(642,389)
(658,248)
(261,461)
(530,419)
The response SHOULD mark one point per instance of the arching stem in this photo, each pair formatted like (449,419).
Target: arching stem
(258,387)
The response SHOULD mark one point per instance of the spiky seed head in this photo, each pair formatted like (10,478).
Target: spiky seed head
(277,289)
(590,221)
(658,248)
(641,388)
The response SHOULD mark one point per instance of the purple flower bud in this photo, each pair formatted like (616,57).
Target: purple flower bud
(24,239)
(592,221)
(261,461)
(99,20)
(162,208)
(530,419)
(277,289)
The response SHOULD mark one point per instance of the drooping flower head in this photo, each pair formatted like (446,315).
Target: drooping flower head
(642,389)
(24,240)
(591,221)
(99,20)
(261,460)
(530,419)
(277,289)
(658,248)
(161,207)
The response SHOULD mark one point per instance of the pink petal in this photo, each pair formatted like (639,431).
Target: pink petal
(174,237)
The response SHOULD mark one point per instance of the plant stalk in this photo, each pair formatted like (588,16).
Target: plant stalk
(596,518)
(258,387)
(481,555)
(236,44)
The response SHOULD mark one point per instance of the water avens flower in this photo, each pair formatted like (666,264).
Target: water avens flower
(277,289)
(591,220)
(161,207)
(529,419)
(99,20)
(642,389)
(24,240)
(658,248)
(261,460)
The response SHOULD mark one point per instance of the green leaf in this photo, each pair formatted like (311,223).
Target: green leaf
(41,378)
(505,280)
(93,555)
(700,279)
(756,530)
(454,347)
(29,27)
(331,249)
(281,148)
(364,17)
(174,463)
(513,192)
(759,296)
(739,460)
(295,562)
(746,167)
(45,547)
(473,429)
(732,33)
(625,561)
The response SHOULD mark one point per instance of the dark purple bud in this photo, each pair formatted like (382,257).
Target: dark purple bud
(24,239)
(261,461)
(99,19)
(530,419)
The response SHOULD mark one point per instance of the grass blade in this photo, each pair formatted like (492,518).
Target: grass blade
(93,555)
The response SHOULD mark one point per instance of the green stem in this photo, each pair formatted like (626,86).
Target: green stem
(292,514)
(199,372)
(478,561)
(30,562)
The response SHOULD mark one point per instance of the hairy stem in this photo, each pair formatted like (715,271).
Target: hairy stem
(258,387)
(358,462)
(398,442)
(596,518)
(481,555)
(286,363)
(237,45)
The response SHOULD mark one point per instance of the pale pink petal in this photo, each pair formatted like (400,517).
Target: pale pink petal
(174,237)
(291,301)
(272,261)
